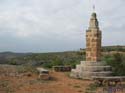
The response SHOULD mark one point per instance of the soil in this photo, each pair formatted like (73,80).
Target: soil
(29,83)
(61,83)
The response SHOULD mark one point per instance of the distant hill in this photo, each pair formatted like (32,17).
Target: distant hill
(12,54)
(6,56)
(48,59)
(113,48)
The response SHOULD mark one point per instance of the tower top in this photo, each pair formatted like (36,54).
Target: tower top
(93,40)
(93,15)
(93,24)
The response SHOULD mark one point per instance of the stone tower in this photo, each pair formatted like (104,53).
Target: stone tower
(93,65)
(93,40)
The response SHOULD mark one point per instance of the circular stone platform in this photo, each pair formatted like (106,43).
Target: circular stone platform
(86,70)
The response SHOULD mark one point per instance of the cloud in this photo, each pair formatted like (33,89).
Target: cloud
(57,25)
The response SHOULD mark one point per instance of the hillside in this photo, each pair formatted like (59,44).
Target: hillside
(5,57)
(113,48)
(49,59)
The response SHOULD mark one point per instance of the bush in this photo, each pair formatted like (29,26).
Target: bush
(13,63)
(47,65)
(117,61)
(24,69)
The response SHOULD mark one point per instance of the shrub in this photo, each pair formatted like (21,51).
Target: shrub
(117,62)
(12,63)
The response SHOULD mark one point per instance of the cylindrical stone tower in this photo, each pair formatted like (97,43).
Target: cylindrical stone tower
(93,40)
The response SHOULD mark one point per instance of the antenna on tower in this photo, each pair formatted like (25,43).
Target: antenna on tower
(93,5)
(93,8)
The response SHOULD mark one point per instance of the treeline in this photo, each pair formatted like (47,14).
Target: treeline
(113,48)
(48,60)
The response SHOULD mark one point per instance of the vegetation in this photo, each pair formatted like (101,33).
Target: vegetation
(5,86)
(92,88)
(24,69)
(113,48)
(117,61)
(48,60)
(113,55)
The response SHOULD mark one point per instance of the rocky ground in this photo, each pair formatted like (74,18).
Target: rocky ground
(12,81)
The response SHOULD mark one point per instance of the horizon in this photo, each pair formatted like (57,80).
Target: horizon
(58,51)
(32,26)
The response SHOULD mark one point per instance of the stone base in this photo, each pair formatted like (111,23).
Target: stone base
(88,69)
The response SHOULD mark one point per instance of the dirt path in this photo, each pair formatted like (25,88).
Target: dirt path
(61,84)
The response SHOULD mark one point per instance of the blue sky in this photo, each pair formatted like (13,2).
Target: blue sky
(57,25)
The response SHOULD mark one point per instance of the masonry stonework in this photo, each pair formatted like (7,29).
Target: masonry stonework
(93,40)
(93,65)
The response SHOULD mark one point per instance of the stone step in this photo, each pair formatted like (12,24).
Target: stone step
(96,68)
(90,74)
(97,72)
(88,69)
(93,68)
(92,63)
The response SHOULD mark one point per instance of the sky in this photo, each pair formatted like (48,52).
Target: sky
(58,25)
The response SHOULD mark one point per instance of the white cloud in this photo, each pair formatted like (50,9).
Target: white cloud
(40,23)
